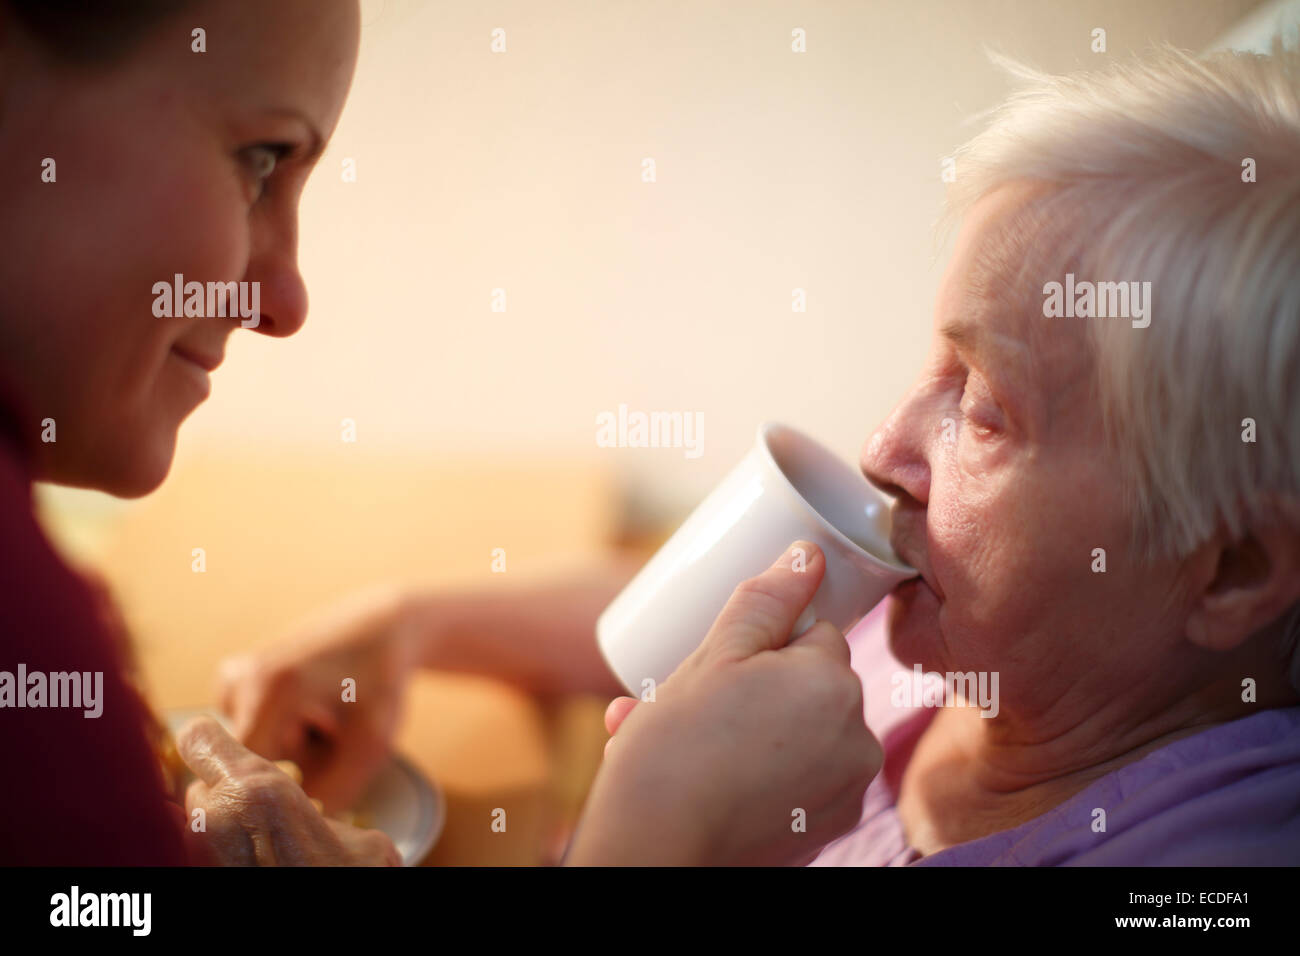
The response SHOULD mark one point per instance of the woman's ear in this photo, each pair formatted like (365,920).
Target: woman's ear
(1247,583)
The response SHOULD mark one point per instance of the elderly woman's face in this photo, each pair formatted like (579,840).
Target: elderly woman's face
(172,162)
(1005,490)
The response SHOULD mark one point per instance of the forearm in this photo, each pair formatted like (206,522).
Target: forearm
(541,637)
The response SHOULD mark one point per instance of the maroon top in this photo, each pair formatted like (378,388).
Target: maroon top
(76,790)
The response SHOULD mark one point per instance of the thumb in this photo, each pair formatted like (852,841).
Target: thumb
(213,754)
(762,611)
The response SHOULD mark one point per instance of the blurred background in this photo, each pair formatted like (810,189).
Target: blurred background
(661,205)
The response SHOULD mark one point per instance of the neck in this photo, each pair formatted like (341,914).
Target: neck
(977,776)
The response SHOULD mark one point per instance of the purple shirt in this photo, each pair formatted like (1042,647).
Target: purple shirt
(1229,795)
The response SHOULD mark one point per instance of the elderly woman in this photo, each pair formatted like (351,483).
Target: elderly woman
(1098,477)
(1114,522)
(141,139)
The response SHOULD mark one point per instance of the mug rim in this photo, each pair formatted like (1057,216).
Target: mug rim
(767,428)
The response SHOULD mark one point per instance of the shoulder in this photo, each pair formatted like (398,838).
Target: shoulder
(39,594)
(82,784)
(1229,796)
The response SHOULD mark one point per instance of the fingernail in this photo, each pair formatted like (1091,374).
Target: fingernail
(798,555)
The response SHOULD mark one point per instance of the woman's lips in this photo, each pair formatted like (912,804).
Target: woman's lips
(195,369)
(922,572)
(208,363)
(916,593)
(910,586)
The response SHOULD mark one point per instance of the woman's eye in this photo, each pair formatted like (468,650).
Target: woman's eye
(261,160)
(977,406)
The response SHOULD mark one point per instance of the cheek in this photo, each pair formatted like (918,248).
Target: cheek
(191,222)
(967,519)
(995,542)
(1018,551)
(183,219)
(973,549)
(198,221)
(153,213)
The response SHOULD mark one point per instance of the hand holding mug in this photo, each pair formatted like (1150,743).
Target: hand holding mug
(754,751)
(788,487)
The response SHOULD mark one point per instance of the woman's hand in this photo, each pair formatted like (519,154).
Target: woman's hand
(752,752)
(290,702)
(255,815)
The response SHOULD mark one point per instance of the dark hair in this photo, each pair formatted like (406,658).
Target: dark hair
(92,31)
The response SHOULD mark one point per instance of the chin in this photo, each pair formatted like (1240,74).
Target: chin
(912,625)
(143,472)
(134,482)
(125,469)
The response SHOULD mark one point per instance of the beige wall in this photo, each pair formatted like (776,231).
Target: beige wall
(522,170)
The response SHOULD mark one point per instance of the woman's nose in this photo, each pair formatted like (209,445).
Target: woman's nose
(282,292)
(895,457)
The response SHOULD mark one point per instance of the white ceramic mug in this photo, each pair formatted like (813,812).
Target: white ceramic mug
(787,488)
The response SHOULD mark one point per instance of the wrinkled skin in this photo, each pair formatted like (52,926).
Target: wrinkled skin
(254,814)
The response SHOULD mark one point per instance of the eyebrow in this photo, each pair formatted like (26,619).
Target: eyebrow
(961,334)
(973,341)
(970,339)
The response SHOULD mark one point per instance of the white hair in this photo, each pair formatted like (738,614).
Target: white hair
(1146,168)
